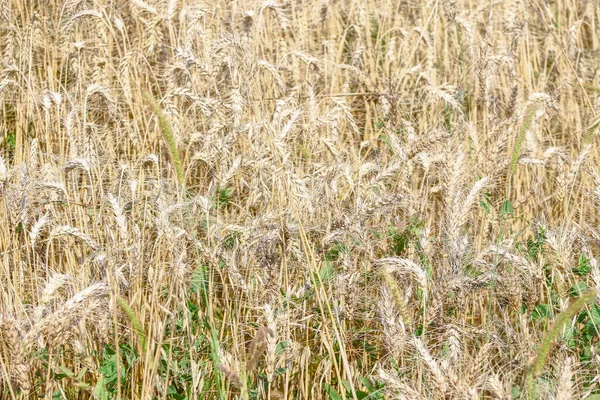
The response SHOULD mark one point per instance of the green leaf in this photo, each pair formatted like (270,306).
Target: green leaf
(173,393)
(535,245)
(347,386)
(515,392)
(360,395)
(385,139)
(591,329)
(327,272)
(333,394)
(507,208)
(595,314)
(198,281)
(335,251)
(570,337)
(578,289)
(11,139)
(66,371)
(419,331)
(81,373)
(541,311)
(400,241)
(583,267)
(593,325)
(367,383)
(109,369)
(223,197)
(303,151)
(128,352)
(280,348)
(485,206)
(99,390)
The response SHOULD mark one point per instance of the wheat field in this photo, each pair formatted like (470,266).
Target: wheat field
(299,199)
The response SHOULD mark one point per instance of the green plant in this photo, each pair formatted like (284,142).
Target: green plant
(545,345)
(169,137)
(373,390)
(106,385)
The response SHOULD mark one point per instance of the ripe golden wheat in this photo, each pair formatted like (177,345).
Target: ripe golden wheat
(299,199)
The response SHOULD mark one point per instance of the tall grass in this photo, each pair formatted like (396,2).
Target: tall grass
(286,200)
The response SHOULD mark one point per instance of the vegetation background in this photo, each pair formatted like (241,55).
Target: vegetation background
(319,199)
